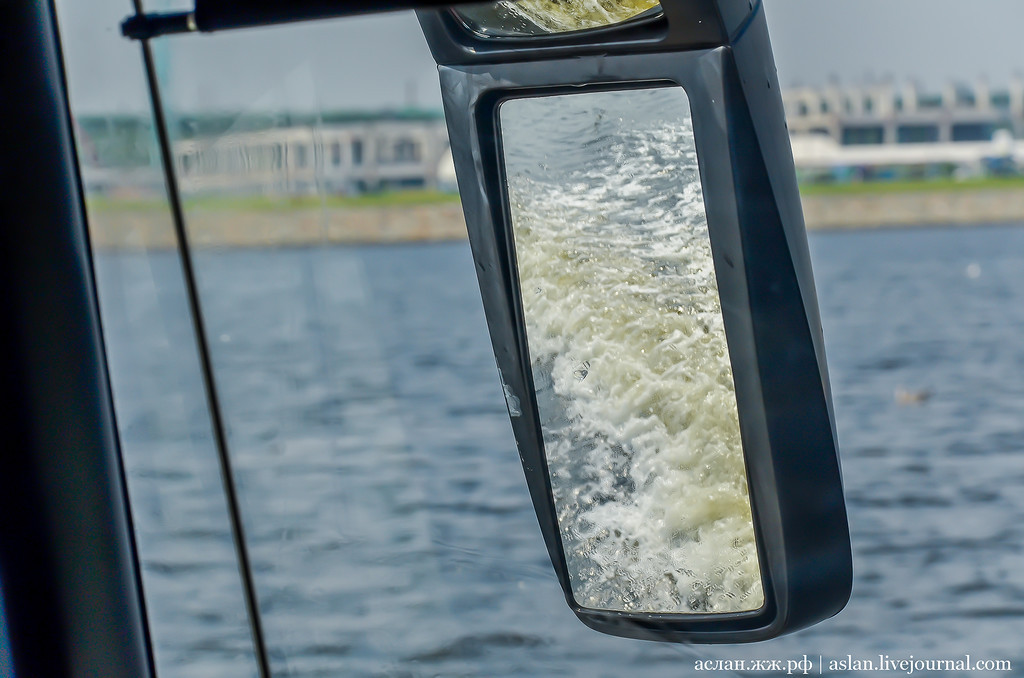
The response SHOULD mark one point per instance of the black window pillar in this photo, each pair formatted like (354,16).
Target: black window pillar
(68,570)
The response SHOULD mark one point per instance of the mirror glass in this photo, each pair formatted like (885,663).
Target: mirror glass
(628,350)
(544,17)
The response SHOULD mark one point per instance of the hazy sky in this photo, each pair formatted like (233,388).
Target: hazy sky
(926,40)
(382,61)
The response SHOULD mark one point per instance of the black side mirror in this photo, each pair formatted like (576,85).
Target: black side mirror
(636,226)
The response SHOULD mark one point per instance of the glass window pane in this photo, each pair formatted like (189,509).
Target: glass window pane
(389,523)
(629,354)
(189,572)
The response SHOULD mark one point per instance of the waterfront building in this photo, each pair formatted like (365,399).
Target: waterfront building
(877,131)
(359,155)
(838,133)
(339,153)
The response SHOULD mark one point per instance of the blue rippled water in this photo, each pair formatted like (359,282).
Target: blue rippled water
(389,522)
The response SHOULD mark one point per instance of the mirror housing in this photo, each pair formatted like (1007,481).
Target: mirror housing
(719,53)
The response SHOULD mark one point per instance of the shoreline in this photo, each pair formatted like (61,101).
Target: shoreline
(120,229)
(962,208)
(135,228)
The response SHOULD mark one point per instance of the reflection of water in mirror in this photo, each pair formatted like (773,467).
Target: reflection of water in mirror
(536,17)
(630,361)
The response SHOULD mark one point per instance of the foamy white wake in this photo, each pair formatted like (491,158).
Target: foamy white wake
(629,356)
(558,16)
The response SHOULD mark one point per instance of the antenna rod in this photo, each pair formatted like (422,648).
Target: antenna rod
(206,363)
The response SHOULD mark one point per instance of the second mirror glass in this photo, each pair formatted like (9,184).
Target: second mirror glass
(546,17)
(628,350)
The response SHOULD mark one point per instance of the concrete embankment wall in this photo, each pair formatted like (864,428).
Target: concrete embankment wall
(118,228)
(961,207)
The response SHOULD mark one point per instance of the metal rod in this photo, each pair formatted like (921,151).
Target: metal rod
(209,384)
(219,15)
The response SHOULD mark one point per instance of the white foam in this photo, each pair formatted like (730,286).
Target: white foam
(570,15)
(633,376)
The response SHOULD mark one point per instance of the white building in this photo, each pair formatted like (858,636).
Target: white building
(887,114)
(339,158)
(870,129)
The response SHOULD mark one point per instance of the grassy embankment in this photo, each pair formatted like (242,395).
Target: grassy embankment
(423,197)
(402,216)
(257,221)
(913,186)
(258,203)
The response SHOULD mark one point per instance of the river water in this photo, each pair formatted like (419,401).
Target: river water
(389,522)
